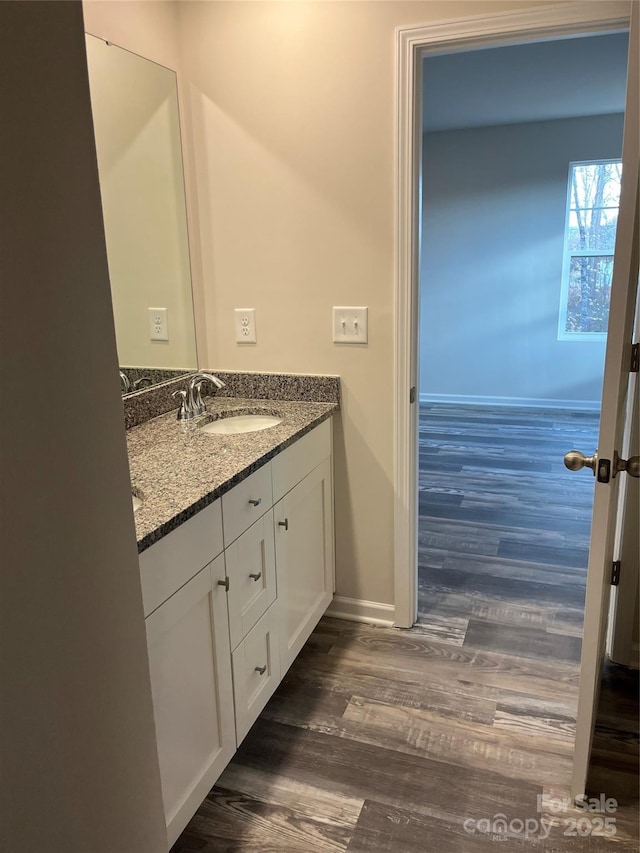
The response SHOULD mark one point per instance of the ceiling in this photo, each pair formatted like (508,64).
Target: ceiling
(527,82)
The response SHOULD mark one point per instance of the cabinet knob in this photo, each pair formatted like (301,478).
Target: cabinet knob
(261,669)
(255,501)
(284,524)
(256,576)
(224,583)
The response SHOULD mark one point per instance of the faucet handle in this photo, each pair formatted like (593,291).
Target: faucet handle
(183,413)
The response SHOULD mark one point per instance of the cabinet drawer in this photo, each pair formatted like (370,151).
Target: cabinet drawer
(246,502)
(294,463)
(171,562)
(251,569)
(256,671)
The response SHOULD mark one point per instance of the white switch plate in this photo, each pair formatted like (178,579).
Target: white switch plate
(350,325)
(158,328)
(245,325)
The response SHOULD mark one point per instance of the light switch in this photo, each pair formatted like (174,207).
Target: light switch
(245,325)
(350,325)
(158,327)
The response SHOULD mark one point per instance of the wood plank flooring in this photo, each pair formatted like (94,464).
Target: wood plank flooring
(413,741)
(504,527)
(386,740)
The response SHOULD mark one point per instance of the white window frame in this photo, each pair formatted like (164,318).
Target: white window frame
(567,255)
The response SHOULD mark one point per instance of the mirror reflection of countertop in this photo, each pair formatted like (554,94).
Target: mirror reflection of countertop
(178,470)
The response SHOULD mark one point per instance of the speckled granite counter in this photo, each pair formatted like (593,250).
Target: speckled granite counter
(177,470)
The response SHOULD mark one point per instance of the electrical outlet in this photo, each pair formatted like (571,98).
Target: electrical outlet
(350,325)
(158,328)
(245,325)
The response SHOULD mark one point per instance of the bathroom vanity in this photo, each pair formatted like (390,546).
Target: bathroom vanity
(235,534)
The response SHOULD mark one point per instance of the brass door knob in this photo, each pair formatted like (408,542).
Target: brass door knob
(574,461)
(630,465)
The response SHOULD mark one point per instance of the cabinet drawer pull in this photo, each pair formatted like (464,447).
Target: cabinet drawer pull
(255,502)
(284,524)
(256,576)
(224,583)
(261,669)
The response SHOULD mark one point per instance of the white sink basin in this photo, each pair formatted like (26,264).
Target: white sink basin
(237,424)
(137,503)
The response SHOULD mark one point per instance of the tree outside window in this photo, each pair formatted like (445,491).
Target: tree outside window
(593,199)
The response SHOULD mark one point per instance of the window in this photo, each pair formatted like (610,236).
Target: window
(593,198)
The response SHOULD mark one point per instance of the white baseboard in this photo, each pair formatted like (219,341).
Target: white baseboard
(521,402)
(358,610)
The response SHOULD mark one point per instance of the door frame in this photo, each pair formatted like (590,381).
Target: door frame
(621,645)
(541,23)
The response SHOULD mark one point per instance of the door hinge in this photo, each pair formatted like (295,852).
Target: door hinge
(412,394)
(615,573)
(635,358)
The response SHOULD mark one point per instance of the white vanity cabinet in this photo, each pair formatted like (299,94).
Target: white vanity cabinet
(302,479)
(185,603)
(253,608)
(230,597)
(256,671)
(246,502)
(251,569)
(191,687)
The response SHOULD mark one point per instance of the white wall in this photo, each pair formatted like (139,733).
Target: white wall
(494,203)
(147,27)
(79,764)
(292,115)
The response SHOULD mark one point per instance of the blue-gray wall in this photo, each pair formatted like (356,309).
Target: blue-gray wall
(491,262)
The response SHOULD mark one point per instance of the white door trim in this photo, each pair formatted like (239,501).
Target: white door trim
(544,22)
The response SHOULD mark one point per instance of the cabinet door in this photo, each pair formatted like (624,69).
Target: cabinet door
(304,556)
(251,567)
(191,684)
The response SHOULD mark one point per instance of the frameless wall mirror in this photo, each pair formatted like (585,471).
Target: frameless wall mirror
(137,129)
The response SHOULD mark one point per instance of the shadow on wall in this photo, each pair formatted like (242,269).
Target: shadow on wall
(353,577)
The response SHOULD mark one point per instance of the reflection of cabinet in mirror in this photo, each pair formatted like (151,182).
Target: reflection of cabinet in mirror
(136,122)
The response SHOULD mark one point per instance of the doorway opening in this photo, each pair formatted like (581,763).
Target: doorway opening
(558,22)
(520,158)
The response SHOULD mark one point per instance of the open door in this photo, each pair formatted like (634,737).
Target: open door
(607,466)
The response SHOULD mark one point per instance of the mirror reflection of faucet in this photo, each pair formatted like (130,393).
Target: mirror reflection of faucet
(191,403)
(140,383)
(125,385)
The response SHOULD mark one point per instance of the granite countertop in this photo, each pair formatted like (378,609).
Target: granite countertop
(177,470)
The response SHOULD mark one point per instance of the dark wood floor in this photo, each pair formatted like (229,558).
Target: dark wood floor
(504,527)
(410,741)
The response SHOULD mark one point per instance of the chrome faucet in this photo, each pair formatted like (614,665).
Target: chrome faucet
(144,380)
(194,399)
(125,385)
(191,403)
